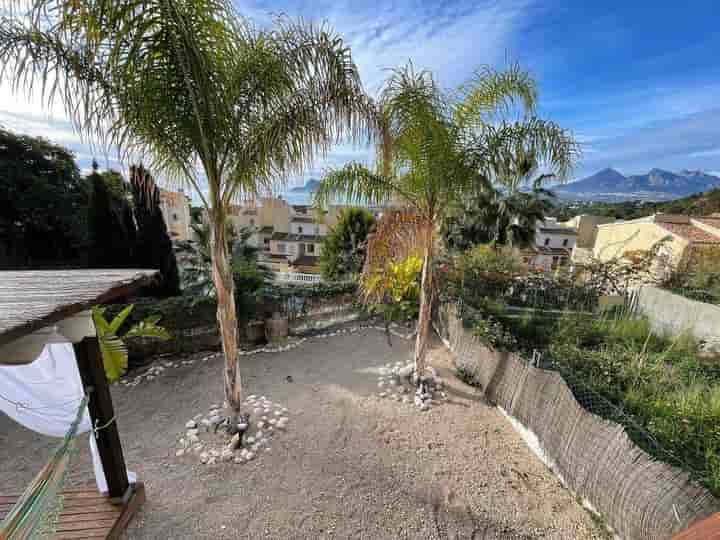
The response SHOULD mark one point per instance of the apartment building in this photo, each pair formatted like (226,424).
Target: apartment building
(554,243)
(290,236)
(175,208)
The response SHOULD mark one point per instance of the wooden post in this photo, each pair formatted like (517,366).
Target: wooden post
(92,372)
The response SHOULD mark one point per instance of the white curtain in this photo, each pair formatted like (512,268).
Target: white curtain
(44,396)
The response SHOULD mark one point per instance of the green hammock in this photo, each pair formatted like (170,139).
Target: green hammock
(37,512)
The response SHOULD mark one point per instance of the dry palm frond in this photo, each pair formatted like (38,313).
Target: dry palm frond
(397,235)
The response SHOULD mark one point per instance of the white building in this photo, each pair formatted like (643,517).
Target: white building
(175,208)
(554,243)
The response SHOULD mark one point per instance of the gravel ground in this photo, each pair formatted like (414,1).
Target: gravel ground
(351,465)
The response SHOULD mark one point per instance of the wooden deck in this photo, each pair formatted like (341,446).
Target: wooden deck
(88,514)
(706,529)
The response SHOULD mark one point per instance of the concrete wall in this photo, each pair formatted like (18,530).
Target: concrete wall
(639,497)
(673,314)
(586,226)
(614,240)
(175,208)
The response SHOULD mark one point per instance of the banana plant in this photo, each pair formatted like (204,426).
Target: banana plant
(112,346)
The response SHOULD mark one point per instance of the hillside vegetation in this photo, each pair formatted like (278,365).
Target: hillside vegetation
(700,204)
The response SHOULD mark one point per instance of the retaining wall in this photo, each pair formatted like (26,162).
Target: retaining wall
(671,313)
(640,498)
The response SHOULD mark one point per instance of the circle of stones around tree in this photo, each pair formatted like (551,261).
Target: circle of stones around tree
(399,382)
(209,438)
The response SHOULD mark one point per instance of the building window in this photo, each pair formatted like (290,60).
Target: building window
(252,222)
(565,242)
(310,248)
(175,217)
(547,241)
(554,262)
(282,248)
(300,229)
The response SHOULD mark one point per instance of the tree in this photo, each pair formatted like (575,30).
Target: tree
(433,150)
(497,217)
(153,246)
(343,249)
(111,222)
(44,200)
(209,99)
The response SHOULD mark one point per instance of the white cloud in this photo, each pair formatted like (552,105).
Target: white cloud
(706,153)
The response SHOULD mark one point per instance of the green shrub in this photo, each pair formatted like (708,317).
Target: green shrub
(394,292)
(343,251)
(656,387)
(176,313)
(668,400)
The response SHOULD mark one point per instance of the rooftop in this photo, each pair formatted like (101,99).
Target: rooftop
(690,232)
(302,219)
(558,230)
(291,237)
(711,221)
(33,299)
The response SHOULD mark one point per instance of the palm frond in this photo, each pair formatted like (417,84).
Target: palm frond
(149,328)
(356,184)
(397,235)
(490,92)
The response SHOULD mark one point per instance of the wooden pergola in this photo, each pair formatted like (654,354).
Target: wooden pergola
(33,300)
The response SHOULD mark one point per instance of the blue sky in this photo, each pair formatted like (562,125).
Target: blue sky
(638,82)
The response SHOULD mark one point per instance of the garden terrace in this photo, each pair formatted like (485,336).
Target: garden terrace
(350,464)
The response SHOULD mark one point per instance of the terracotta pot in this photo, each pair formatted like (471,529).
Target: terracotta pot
(276,328)
(255,331)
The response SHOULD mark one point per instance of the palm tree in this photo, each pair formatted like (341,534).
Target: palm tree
(435,149)
(497,217)
(208,99)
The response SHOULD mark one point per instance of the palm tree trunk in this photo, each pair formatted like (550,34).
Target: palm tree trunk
(423,329)
(226,317)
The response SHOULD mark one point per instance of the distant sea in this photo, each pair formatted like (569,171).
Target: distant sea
(297,197)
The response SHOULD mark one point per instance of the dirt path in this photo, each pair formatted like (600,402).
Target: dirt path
(351,465)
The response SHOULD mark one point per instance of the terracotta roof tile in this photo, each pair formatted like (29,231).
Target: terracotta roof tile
(711,221)
(691,232)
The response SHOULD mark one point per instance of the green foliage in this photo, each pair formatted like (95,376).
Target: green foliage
(700,286)
(112,346)
(399,289)
(343,249)
(498,217)
(111,224)
(494,335)
(667,399)
(670,395)
(700,204)
(43,199)
(485,260)
(297,300)
(153,247)
(250,277)
(177,313)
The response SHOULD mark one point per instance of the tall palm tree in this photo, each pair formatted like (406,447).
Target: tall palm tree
(205,97)
(434,150)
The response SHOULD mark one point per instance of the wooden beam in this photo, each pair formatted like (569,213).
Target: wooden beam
(102,414)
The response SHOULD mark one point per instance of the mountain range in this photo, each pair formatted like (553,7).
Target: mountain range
(657,185)
(309,187)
